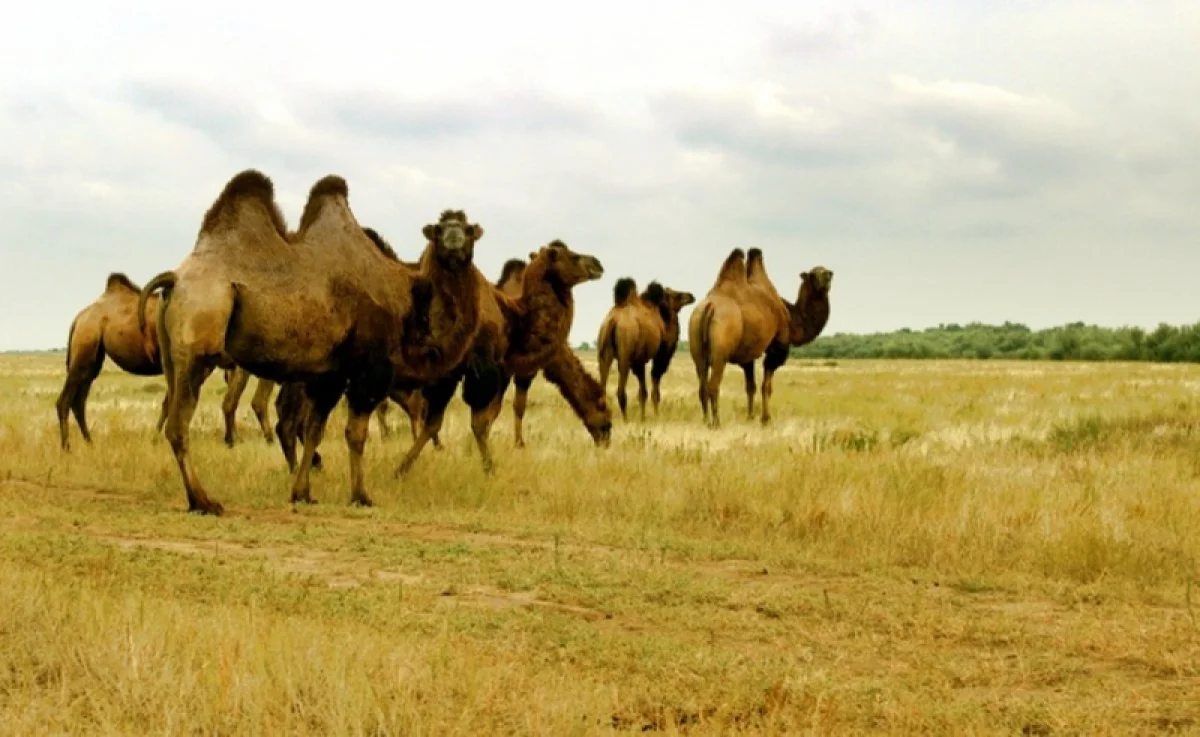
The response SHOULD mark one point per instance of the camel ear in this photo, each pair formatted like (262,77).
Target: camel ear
(476,231)
(430,232)
(803,276)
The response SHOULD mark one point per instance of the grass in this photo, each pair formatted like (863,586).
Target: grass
(945,547)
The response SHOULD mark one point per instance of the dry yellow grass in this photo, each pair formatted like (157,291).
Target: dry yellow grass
(955,548)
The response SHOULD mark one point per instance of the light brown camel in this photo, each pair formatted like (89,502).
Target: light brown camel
(737,321)
(110,327)
(322,306)
(639,330)
(520,337)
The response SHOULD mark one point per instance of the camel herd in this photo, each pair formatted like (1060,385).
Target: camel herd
(330,312)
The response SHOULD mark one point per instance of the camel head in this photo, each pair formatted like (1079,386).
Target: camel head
(819,280)
(676,301)
(566,266)
(453,238)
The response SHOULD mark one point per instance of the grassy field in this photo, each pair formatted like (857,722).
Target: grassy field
(946,547)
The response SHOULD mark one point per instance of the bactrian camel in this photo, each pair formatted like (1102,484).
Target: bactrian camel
(640,329)
(109,327)
(321,305)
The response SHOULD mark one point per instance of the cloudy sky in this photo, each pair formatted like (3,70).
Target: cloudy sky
(950,161)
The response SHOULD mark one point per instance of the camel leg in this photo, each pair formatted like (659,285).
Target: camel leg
(655,393)
(162,414)
(716,374)
(236,380)
(261,403)
(187,379)
(639,373)
(751,387)
(79,401)
(77,376)
(481,426)
(289,411)
(622,382)
(381,414)
(436,398)
(520,398)
(323,395)
(658,369)
(775,357)
(702,377)
(606,362)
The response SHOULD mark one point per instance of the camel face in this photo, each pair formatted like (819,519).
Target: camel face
(453,238)
(820,279)
(678,300)
(572,268)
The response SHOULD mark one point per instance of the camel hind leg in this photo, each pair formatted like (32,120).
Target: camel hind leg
(260,403)
(520,398)
(623,369)
(751,387)
(73,398)
(639,373)
(187,377)
(381,414)
(323,395)
(716,374)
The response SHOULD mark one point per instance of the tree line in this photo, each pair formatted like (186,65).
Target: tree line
(1072,342)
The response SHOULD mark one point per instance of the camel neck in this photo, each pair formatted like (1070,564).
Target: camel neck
(808,316)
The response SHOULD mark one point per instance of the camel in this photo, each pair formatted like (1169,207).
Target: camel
(236,381)
(740,317)
(743,318)
(292,407)
(640,329)
(110,327)
(321,305)
(520,337)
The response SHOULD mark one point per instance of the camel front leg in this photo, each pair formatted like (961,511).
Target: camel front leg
(358,426)
(520,398)
(775,357)
(238,379)
(381,414)
(435,400)
(261,404)
(751,388)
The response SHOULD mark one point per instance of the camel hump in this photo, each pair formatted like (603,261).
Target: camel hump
(249,185)
(623,290)
(734,268)
(119,282)
(655,294)
(327,188)
(384,247)
(512,268)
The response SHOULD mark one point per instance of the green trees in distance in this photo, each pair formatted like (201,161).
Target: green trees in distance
(1073,342)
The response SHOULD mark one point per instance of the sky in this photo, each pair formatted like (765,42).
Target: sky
(950,161)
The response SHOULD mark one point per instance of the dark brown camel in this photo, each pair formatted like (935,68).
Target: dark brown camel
(520,337)
(639,330)
(322,306)
(110,327)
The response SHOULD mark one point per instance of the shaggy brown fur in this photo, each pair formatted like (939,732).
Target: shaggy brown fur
(520,337)
(737,321)
(640,329)
(110,327)
(322,306)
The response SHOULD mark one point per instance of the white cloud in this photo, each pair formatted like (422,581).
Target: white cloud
(973,161)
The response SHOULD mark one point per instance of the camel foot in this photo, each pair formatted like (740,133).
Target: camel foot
(302,497)
(402,469)
(210,507)
(360,499)
(316,462)
(489,468)
(519,444)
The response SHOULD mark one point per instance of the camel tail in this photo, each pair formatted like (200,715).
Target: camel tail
(606,344)
(705,353)
(165,280)
(70,339)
